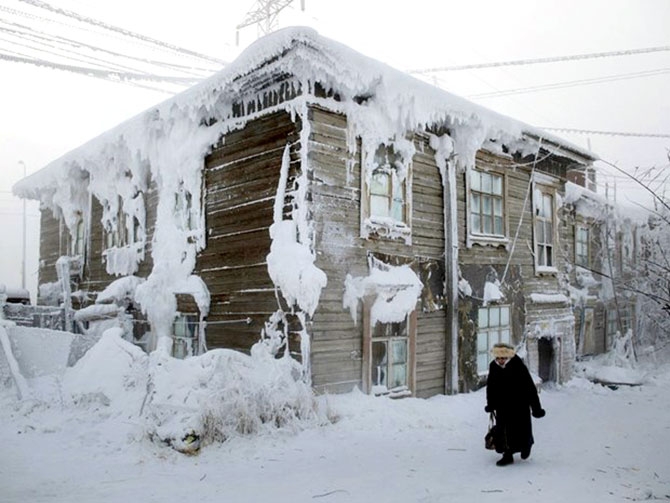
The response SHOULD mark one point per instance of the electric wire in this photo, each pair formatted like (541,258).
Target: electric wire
(570,83)
(534,61)
(123,31)
(26,32)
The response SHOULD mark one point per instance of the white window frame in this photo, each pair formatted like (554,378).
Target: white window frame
(185,334)
(583,246)
(491,330)
(386,163)
(545,185)
(478,192)
(78,246)
(372,384)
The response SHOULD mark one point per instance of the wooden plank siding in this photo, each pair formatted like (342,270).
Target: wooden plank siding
(240,182)
(335,189)
(516,260)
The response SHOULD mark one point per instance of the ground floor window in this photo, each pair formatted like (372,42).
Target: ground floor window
(493,326)
(185,335)
(389,357)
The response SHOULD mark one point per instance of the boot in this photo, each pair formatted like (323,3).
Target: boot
(507,459)
(525,453)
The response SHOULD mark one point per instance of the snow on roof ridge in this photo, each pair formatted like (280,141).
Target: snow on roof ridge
(346,70)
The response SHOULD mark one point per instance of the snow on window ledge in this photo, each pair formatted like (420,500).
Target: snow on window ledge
(386,228)
(544,269)
(487,240)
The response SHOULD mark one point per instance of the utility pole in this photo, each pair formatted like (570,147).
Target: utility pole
(23,252)
(264,15)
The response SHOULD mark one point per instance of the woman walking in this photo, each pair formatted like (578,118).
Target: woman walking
(512,396)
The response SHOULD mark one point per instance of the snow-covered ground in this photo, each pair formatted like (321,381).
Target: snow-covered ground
(595,444)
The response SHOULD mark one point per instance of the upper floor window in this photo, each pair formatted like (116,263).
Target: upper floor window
(486,203)
(493,326)
(386,196)
(79,237)
(582,246)
(125,231)
(183,206)
(544,217)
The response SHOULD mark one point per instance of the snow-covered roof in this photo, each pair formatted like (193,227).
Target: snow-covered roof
(310,58)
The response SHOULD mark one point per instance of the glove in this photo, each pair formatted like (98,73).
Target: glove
(538,413)
(488,408)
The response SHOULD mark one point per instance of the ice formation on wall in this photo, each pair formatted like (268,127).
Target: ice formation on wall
(163,149)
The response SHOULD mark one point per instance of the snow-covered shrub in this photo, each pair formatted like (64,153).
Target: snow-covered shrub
(223,393)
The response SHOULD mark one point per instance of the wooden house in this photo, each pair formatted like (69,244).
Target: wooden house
(389,231)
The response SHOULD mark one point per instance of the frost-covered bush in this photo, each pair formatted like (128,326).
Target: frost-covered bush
(224,393)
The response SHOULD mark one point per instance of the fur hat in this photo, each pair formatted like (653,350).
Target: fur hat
(502,350)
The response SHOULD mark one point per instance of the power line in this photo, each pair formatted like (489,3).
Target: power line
(517,62)
(570,83)
(607,133)
(127,33)
(114,76)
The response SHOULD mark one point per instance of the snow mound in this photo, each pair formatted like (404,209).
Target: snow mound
(224,393)
(113,372)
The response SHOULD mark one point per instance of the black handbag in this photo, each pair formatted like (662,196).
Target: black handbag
(492,434)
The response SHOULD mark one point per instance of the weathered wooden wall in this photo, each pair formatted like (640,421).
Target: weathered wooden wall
(336,195)
(481,261)
(241,179)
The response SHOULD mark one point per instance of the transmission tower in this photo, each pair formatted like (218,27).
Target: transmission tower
(264,15)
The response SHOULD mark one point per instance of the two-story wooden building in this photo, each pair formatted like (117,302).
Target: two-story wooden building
(389,231)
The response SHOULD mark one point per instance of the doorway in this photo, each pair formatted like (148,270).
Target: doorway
(545,349)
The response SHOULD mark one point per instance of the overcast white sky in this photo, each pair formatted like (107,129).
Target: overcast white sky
(44,112)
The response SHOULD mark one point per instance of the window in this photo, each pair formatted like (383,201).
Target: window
(185,335)
(183,205)
(544,230)
(582,246)
(386,207)
(78,240)
(120,233)
(486,203)
(389,357)
(493,326)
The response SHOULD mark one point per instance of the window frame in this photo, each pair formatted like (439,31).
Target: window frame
(545,185)
(386,226)
(488,331)
(185,345)
(369,339)
(583,246)
(78,244)
(482,238)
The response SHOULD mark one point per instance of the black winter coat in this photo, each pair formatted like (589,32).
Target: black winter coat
(511,393)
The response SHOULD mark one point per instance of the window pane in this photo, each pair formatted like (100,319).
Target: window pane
(497,185)
(550,258)
(476,223)
(487,206)
(504,316)
(380,183)
(548,209)
(483,321)
(379,362)
(504,336)
(475,177)
(498,223)
(488,224)
(379,206)
(494,316)
(399,377)
(397,210)
(486,183)
(539,232)
(497,206)
(549,236)
(482,362)
(482,343)
(475,204)
(399,351)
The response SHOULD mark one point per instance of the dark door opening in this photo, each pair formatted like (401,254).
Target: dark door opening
(546,356)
